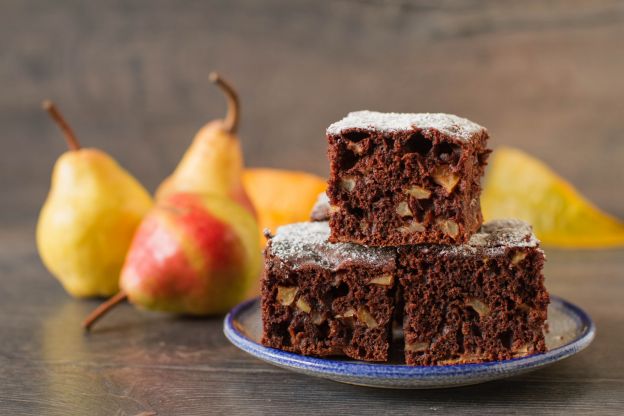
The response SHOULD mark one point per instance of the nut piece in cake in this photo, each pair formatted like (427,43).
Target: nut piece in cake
(449,227)
(384,280)
(443,176)
(404,210)
(286,295)
(417,346)
(518,257)
(348,184)
(418,192)
(303,306)
(411,228)
(479,307)
(364,315)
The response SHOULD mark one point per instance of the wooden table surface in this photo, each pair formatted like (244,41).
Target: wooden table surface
(137,362)
(132,79)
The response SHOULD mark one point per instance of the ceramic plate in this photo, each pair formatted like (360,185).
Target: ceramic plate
(571,330)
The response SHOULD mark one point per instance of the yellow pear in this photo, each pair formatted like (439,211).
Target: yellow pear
(520,186)
(213,164)
(88,220)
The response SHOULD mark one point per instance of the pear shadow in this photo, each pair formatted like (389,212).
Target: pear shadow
(122,326)
(124,321)
(195,318)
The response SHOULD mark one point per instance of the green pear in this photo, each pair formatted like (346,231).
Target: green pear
(89,218)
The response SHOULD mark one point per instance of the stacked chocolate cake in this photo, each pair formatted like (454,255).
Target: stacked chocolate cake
(399,239)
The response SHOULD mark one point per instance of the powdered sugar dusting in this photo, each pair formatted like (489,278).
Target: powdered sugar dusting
(449,124)
(505,232)
(320,210)
(494,236)
(306,242)
(322,199)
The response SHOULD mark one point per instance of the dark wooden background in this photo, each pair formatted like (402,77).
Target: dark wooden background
(132,77)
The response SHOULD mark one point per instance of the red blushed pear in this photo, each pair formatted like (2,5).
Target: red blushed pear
(193,254)
(213,163)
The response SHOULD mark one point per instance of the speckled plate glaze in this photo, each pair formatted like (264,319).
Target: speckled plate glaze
(571,330)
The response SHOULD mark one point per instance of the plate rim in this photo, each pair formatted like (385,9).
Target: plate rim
(365,370)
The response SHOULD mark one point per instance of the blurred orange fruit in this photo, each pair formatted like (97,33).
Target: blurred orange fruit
(520,186)
(281,196)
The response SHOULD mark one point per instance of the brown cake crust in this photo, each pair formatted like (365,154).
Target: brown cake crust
(481,301)
(401,179)
(327,299)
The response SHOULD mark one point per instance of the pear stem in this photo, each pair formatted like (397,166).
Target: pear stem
(233,114)
(70,137)
(103,309)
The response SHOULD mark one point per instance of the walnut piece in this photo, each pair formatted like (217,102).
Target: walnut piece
(355,147)
(364,315)
(404,210)
(469,357)
(383,280)
(521,351)
(449,227)
(347,183)
(443,176)
(317,318)
(523,307)
(303,306)
(518,257)
(481,308)
(412,227)
(286,295)
(349,313)
(418,192)
(417,347)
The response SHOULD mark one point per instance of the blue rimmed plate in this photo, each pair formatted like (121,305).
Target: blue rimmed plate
(571,330)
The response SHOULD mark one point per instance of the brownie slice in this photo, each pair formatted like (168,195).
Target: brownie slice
(322,299)
(401,179)
(480,301)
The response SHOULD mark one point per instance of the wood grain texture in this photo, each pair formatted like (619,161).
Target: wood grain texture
(133,79)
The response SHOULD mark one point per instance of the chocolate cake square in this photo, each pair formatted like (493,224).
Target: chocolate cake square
(480,301)
(322,299)
(401,179)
